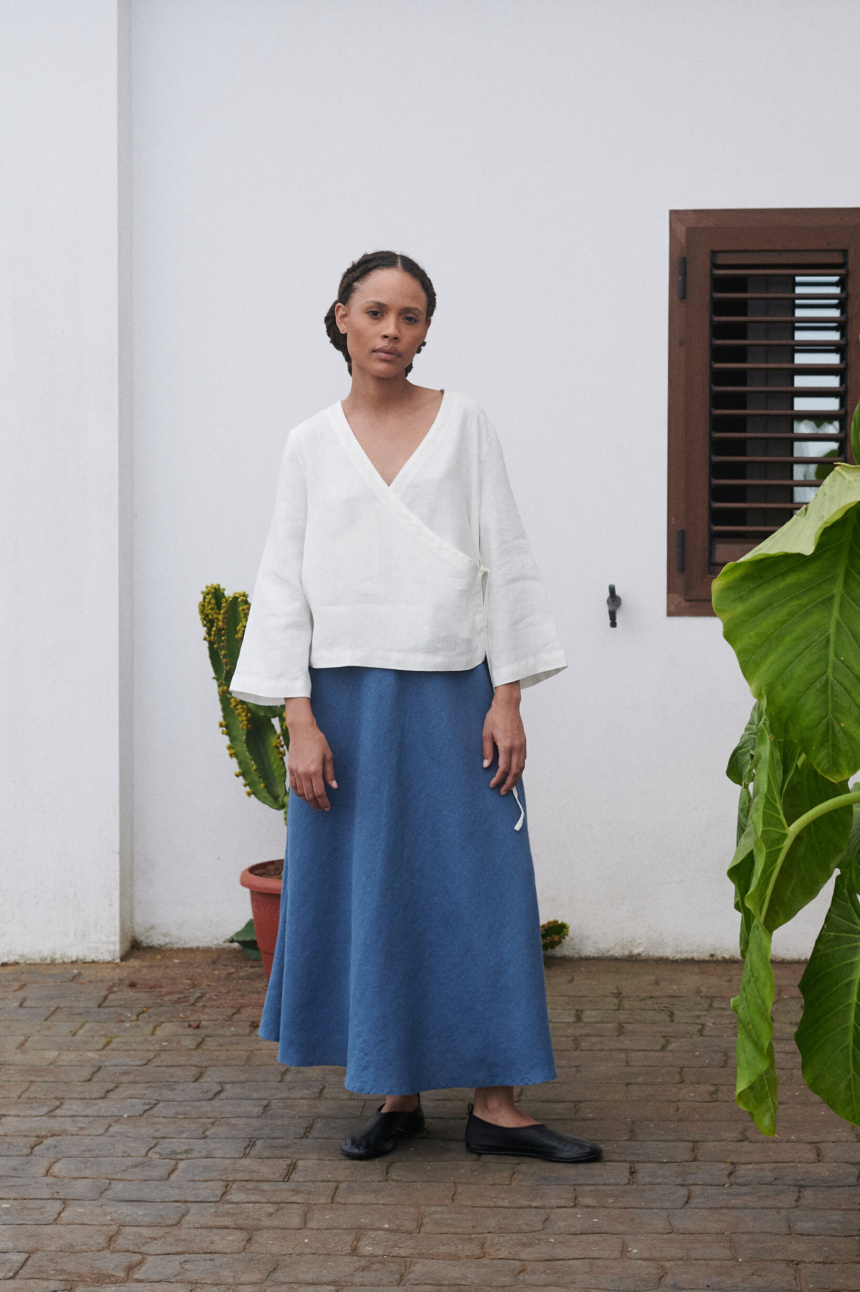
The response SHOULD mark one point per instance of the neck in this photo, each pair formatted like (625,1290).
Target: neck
(378,394)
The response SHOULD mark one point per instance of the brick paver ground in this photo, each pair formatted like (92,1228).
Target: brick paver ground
(150,1140)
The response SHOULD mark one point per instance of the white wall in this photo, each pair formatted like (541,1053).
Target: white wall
(65,628)
(529,155)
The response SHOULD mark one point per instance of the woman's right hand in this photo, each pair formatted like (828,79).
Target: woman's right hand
(309,760)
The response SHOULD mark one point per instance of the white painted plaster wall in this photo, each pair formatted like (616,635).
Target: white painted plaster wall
(529,156)
(65,629)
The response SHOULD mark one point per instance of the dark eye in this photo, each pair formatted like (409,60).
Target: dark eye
(410,320)
(374,313)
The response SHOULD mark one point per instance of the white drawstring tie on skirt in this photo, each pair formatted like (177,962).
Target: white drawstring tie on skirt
(519,824)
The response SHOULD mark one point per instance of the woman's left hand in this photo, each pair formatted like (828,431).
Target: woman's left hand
(503,728)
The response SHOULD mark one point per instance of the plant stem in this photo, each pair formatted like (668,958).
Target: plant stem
(821,809)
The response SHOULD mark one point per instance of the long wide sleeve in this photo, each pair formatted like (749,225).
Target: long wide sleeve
(275,653)
(522,639)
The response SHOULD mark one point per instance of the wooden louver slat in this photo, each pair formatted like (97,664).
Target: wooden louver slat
(769,332)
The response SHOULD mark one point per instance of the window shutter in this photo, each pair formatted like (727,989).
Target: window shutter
(763,371)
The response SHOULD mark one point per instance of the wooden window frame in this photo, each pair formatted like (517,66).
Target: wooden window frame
(693,236)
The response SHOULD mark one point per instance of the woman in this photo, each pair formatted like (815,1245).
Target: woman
(397,614)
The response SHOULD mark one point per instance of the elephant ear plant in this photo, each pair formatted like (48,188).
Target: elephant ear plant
(256,735)
(791,611)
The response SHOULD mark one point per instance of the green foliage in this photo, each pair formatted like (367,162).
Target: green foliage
(553,933)
(247,940)
(257,737)
(791,611)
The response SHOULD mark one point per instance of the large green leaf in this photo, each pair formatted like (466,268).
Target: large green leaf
(740,767)
(850,862)
(829,1033)
(816,851)
(756,1088)
(741,873)
(788,874)
(791,611)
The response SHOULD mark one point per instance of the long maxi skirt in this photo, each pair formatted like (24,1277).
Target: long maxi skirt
(409,949)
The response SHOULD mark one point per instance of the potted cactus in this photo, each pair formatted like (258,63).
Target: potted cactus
(257,740)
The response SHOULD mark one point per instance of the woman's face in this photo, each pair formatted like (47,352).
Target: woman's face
(384,321)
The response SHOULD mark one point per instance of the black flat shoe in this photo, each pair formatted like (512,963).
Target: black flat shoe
(527,1141)
(382,1133)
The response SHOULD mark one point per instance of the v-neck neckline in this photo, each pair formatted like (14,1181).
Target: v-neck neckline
(420,451)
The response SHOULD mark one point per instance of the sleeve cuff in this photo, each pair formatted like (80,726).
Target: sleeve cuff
(528,672)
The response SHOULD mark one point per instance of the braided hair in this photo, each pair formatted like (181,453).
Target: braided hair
(360,269)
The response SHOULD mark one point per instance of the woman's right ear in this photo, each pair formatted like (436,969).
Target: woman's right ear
(341,313)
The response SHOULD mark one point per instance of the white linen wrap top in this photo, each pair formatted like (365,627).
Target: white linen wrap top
(431,572)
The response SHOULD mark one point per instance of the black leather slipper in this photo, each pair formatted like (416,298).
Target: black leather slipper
(383,1132)
(527,1141)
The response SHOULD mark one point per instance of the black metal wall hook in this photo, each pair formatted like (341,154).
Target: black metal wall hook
(613,601)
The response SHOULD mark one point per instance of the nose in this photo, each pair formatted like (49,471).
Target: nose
(391,332)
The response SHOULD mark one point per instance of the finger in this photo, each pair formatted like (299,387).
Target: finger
(512,779)
(517,764)
(487,745)
(293,785)
(320,795)
(503,769)
(328,769)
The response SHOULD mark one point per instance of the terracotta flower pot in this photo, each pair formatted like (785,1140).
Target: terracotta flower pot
(264,882)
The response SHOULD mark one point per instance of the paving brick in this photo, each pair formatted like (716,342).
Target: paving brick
(179,1240)
(384,1243)
(800,1174)
(24,1167)
(731,1276)
(123,1213)
(11,1263)
(822,1222)
(554,1246)
(594,1276)
(16,1145)
(480,1220)
(758,1195)
(275,1191)
(479,1195)
(222,1269)
(116,1168)
(187,1149)
(60,1146)
(28,1212)
(46,1285)
(80,1267)
(364,1216)
(471,1273)
(50,1188)
(249,1216)
(163,1191)
(828,1278)
(796,1247)
(648,1196)
(340,1168)
(338,1271)
(303,1242)
(56,1238)
(616,1220)
(730,1220)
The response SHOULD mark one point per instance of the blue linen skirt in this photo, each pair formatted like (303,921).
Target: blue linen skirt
(409,948)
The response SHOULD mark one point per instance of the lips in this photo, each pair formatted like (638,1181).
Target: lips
(389,354)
